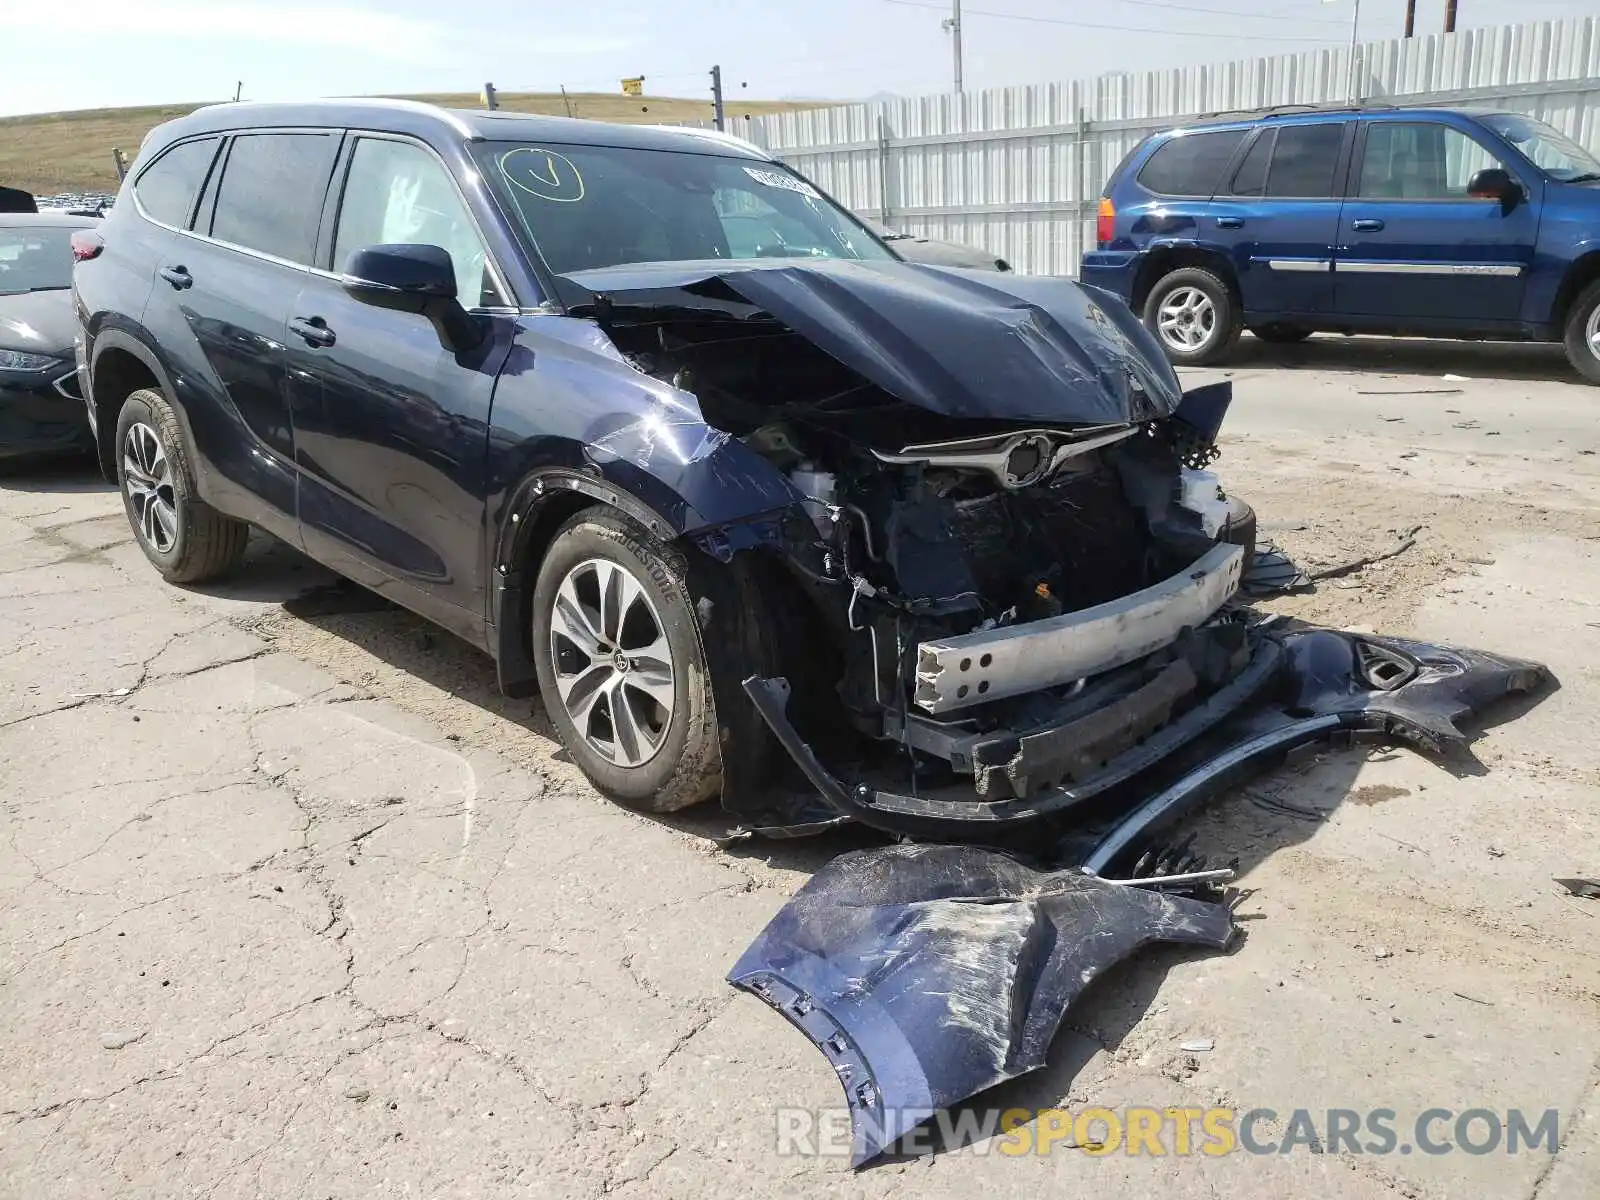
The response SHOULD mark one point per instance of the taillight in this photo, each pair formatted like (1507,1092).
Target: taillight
(1105,226)
(86,244)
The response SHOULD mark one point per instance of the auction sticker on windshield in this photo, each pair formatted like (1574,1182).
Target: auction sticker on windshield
(781,179)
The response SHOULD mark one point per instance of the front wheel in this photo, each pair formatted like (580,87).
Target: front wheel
(1583,333)
(1193,315)
(621,666)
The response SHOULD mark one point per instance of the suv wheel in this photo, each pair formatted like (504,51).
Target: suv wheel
(1583,333)
(621,667)
(1193,315)
(186,539)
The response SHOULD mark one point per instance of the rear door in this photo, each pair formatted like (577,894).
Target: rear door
(221,303)
(391,430)
(1279,216)
(1415,244)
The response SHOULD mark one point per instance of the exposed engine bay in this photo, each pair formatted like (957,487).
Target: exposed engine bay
(962,585)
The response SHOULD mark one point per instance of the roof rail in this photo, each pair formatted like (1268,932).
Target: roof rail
(1290,110)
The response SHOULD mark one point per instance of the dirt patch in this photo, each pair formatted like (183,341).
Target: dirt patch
(1377,793)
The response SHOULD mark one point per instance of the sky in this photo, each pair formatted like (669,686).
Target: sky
(98,53)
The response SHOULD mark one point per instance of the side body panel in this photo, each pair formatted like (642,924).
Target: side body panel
(391,434)
(1458,260)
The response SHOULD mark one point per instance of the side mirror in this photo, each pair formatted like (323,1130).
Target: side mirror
(1495,183)
(415,279)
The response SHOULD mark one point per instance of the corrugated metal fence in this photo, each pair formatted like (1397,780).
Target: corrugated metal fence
(1018,170)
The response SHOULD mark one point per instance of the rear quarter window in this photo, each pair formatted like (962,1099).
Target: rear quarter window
(167,187)
(1191,164)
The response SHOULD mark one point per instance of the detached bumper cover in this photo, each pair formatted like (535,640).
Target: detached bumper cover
(925,974)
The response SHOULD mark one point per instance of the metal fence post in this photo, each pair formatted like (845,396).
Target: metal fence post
(884,207)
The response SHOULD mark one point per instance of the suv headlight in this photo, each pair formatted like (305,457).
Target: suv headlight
(16,360)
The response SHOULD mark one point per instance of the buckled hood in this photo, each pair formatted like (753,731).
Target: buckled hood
(975,345)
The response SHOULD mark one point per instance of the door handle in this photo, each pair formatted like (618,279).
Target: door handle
(313,329)
(1230,222)
(1367,225)
(178,277)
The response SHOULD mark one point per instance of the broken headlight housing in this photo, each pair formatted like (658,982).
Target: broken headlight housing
(17,360)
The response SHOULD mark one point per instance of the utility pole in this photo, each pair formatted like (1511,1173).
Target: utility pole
(716,96)
(238,90)
(565,101)
(1411,18)
(491,98)
(1449,16)
(952,26)
(1355,26)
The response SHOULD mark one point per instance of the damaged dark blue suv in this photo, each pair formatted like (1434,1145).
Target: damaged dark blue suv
(684,447)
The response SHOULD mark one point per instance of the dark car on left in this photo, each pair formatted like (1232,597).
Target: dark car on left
(41,404)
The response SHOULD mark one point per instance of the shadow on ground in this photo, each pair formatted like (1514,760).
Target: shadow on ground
(1408,356)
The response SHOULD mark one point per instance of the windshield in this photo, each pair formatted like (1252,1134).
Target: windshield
(35,260)
(1548,149)
(586,207)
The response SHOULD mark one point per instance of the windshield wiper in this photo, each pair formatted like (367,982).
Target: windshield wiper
(1586,177)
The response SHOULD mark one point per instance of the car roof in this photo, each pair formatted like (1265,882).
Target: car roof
(47,220)
(1310,112)
(425,120)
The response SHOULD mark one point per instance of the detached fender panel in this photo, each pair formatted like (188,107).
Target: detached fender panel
(926,974)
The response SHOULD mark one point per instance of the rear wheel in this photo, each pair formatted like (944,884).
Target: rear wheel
(1583,333)
(186,539)
(1193,315)
(1284,335)
(621,666)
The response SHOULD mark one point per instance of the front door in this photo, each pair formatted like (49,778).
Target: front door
(1414,244)
(1278,217)
(391,430)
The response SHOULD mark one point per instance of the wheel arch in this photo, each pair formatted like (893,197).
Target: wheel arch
(121,365)
(1580,274)
(530,518)
(1161,260)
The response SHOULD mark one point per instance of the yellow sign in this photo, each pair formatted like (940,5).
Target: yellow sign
(634,86)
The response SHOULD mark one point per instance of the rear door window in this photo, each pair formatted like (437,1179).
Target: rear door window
(166,188)
(271,193)
(1303,160)
(1191,164)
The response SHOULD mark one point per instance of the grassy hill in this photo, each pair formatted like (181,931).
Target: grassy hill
(71,151)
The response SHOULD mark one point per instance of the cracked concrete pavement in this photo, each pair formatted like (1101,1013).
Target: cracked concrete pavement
(291,904)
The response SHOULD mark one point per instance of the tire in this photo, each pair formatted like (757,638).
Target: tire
(1241,528)
(1583,328)
(1212,325)
(1281,335)
(185,539)
(662,757)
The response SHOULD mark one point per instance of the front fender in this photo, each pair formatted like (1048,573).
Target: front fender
(573,417)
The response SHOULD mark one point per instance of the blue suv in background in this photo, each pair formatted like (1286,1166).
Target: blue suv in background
(1458,223)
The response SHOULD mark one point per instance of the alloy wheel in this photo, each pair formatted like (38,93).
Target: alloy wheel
(1591,334)
(1186,319)
(613,664)
(147,482)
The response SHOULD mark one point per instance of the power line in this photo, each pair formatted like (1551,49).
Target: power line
(1232,37)
(1225,12)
